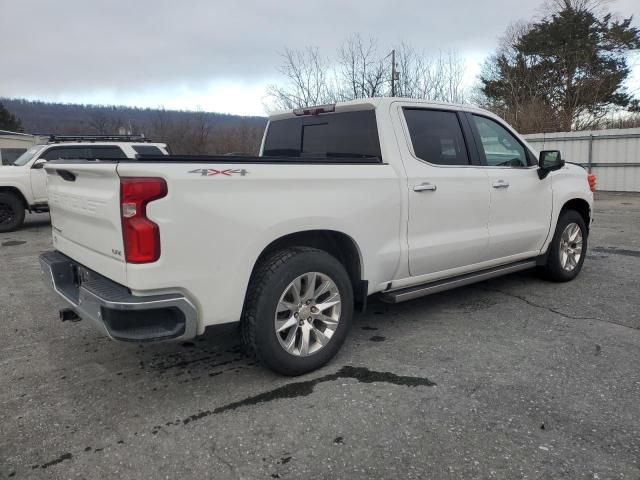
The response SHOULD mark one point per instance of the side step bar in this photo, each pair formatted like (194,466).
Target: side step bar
(409,293)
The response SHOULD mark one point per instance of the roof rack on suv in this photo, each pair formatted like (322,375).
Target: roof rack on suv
(97,138)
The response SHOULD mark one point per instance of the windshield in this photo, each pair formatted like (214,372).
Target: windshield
(27,156)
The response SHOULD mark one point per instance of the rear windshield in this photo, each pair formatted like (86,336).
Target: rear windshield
(348,135)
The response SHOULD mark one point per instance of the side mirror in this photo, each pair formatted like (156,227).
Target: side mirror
(549,161)
(38,164)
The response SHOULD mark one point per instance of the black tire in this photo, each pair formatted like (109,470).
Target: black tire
(11,212)
(553,269)
(268,282)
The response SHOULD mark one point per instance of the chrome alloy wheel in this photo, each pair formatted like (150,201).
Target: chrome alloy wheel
(570,247)
(308,313)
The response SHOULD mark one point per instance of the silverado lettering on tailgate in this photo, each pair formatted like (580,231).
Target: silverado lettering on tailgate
(76,203)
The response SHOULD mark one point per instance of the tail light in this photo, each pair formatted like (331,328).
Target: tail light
(592,182)
(141,236)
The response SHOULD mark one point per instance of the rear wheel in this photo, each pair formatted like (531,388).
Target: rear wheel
(298,310)
(568,248)
(11,212)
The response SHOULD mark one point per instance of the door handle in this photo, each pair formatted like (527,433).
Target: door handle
(500,184)
(424,187)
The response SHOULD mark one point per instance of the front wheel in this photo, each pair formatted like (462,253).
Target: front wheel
(568,248)
(298,310)
(11,212)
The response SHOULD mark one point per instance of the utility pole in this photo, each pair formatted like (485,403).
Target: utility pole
(393,72)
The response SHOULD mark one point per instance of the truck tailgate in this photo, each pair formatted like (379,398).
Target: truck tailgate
(84,200)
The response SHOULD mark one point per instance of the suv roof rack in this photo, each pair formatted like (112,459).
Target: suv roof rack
(98,138)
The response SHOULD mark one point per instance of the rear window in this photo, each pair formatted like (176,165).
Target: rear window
(147,150)
(348,134)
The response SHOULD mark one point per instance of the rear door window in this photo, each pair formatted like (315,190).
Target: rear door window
(436,136)
(106,152)
(147,150)
(348,134)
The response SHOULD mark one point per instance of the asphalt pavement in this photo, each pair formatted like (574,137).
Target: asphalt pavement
(510,378)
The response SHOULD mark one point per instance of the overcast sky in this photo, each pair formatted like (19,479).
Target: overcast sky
(220,55)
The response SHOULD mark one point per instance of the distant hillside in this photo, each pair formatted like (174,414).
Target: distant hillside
(187,132)
(65,118)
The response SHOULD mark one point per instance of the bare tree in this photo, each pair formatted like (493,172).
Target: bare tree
(361,70)
(434,78)
(305,74)
(100,121)
(362,73)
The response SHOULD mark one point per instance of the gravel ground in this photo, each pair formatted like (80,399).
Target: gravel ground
(509,378)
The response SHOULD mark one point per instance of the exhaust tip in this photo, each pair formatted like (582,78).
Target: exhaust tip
(68,314)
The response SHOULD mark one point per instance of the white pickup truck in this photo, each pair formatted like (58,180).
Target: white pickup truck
(388,196)
(23,184)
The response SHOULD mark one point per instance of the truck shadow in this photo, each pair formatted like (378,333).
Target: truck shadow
(36,221)
(219,351)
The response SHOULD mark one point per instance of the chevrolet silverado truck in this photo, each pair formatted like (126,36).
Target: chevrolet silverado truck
(395,197)
(23,184)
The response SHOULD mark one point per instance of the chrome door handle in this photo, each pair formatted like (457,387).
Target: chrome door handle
(500,184)
(424,187)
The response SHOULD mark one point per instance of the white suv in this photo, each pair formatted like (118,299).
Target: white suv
(23,184)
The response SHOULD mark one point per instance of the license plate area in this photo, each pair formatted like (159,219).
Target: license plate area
(80,275)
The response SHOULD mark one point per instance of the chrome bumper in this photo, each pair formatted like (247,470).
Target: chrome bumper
(112,307)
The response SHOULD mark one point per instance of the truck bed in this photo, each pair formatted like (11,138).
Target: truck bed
(244,159)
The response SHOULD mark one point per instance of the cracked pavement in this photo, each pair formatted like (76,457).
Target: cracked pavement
(510,378)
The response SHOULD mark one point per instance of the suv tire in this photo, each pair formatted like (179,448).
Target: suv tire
(298,310)
(11,212)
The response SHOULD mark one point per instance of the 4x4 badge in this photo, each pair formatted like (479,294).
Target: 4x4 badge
(210,172)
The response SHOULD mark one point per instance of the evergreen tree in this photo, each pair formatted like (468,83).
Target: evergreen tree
(8,121)
(569,67)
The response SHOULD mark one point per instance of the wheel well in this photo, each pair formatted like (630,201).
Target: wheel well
(580,206)
(337,244)
(17,193)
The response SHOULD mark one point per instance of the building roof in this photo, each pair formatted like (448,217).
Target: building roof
(9,133)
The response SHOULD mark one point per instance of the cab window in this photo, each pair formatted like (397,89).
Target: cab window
(65,153)
(499,147)
(436,136)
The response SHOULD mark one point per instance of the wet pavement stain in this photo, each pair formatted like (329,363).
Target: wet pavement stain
(13,243)
(617,251)
(55,461)
(305,388)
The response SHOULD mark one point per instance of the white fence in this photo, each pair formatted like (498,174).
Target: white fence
(612,155)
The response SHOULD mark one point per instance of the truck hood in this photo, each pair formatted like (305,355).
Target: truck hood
(10,172)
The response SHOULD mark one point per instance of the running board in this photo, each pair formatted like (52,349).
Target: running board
(409,293)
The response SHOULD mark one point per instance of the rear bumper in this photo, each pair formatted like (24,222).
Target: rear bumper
(112,307)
